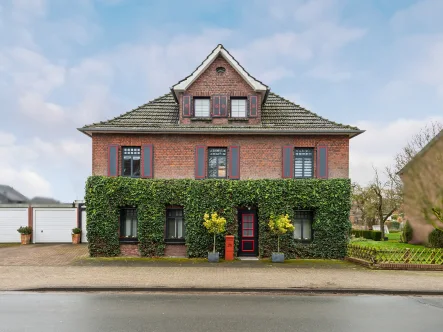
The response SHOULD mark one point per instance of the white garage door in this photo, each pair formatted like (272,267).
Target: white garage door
(10,220)
(54,225)
(84,240)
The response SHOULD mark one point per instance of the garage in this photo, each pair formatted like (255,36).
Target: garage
(54,225)
(10,220)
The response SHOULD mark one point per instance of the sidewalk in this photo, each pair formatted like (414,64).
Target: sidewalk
(216,276)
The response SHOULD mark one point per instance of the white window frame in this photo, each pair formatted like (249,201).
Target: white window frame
(202,107)
(236,107)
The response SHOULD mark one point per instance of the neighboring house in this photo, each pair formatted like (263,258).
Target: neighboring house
(43,200)
(423,186)
(219,123)
(9,195)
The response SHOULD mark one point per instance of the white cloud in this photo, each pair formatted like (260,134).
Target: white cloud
(380,143)
(423,14)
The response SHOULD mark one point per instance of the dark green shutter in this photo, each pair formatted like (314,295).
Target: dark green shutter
(234,162)
(113,160)
(252,107)
(200,162)
(322,162)
(147,161)
(187,106)
(287,162)
(216,105)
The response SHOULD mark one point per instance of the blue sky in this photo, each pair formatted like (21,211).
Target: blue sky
(376,64)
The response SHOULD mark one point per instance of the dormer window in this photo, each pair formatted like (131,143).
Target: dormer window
(202,107)
(238,107)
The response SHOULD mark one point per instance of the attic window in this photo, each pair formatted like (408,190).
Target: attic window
(220,70)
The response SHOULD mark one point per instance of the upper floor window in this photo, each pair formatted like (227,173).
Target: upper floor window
(303,225)
(303,163)
(217,163)
(238,107)
(201,107)
(131,161)
(128,224)
(175,225)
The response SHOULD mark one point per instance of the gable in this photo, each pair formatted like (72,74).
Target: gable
(219,51)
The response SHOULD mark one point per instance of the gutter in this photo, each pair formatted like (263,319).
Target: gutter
(208,131)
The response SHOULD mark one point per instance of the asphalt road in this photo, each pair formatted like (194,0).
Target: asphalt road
(203,312)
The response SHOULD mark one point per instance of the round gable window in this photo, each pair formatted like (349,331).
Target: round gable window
(220,70)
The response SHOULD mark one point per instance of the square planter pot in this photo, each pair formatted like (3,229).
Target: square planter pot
(213,257)
(25,238)
(278,257)
(76,238)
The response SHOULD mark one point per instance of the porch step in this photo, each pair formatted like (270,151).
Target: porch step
(247,258)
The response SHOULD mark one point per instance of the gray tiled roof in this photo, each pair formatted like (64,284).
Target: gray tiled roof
(278,114)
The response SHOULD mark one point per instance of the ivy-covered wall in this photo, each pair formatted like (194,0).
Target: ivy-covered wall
(329,199)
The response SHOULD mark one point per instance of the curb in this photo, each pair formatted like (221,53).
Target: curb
(290,291)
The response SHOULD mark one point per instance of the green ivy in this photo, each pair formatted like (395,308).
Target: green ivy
(329,199)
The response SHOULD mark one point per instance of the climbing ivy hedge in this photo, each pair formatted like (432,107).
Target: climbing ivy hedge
(329,199)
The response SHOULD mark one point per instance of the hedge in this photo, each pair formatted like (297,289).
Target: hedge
(366,234)
(435,238)
(329,199)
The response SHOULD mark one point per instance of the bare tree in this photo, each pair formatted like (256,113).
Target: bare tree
(364,201)
(389,198)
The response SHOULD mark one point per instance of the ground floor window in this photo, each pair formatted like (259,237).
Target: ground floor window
(175,226)
(128,224)
(303,225)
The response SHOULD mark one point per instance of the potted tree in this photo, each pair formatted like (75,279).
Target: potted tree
(76,234)
(214,224)
(279,225)
(25,234)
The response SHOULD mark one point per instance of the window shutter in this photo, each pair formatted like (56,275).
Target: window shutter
(252,109)
(147,161)
(234,162)
(200,162)
(216,105)
(288,162)
(322,162)
(224,106)
(112,160)
(187,106)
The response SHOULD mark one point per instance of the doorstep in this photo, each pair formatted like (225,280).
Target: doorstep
(247,258)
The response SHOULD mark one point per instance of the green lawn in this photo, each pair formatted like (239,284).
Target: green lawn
(393,242)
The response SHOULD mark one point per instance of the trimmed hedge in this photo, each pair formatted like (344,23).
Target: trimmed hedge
(329,199)
(435,238)
(366,234)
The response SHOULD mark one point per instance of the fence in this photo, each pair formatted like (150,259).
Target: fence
(397,258)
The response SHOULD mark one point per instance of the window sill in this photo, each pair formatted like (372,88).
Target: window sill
(238,119)
(175,241)
(201,119)
(128,241)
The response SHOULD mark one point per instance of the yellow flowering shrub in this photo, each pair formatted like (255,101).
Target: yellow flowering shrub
(280,225)
(214,224)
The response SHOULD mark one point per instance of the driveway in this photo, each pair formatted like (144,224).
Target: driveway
(42,254)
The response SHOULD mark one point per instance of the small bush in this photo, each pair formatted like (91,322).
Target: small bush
(395,225)
(435,239)
(362,233)
(25,230)
(76,230)
(376,235)
(406,236)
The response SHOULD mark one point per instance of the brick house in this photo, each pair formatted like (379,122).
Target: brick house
(222,123)
(422,184)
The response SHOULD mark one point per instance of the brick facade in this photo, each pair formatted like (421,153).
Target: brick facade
(175,250)
(260,155)
(229,83)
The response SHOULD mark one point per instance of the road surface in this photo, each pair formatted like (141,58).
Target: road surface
(110,312)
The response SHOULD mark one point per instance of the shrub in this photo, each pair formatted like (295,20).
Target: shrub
(376,235)
(395,225)
(25,230)
(362,234)
(435,238)
(406,236)
(280,225)
(214,224)
(76,230)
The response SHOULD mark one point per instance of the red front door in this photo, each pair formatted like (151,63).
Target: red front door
(248,234)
